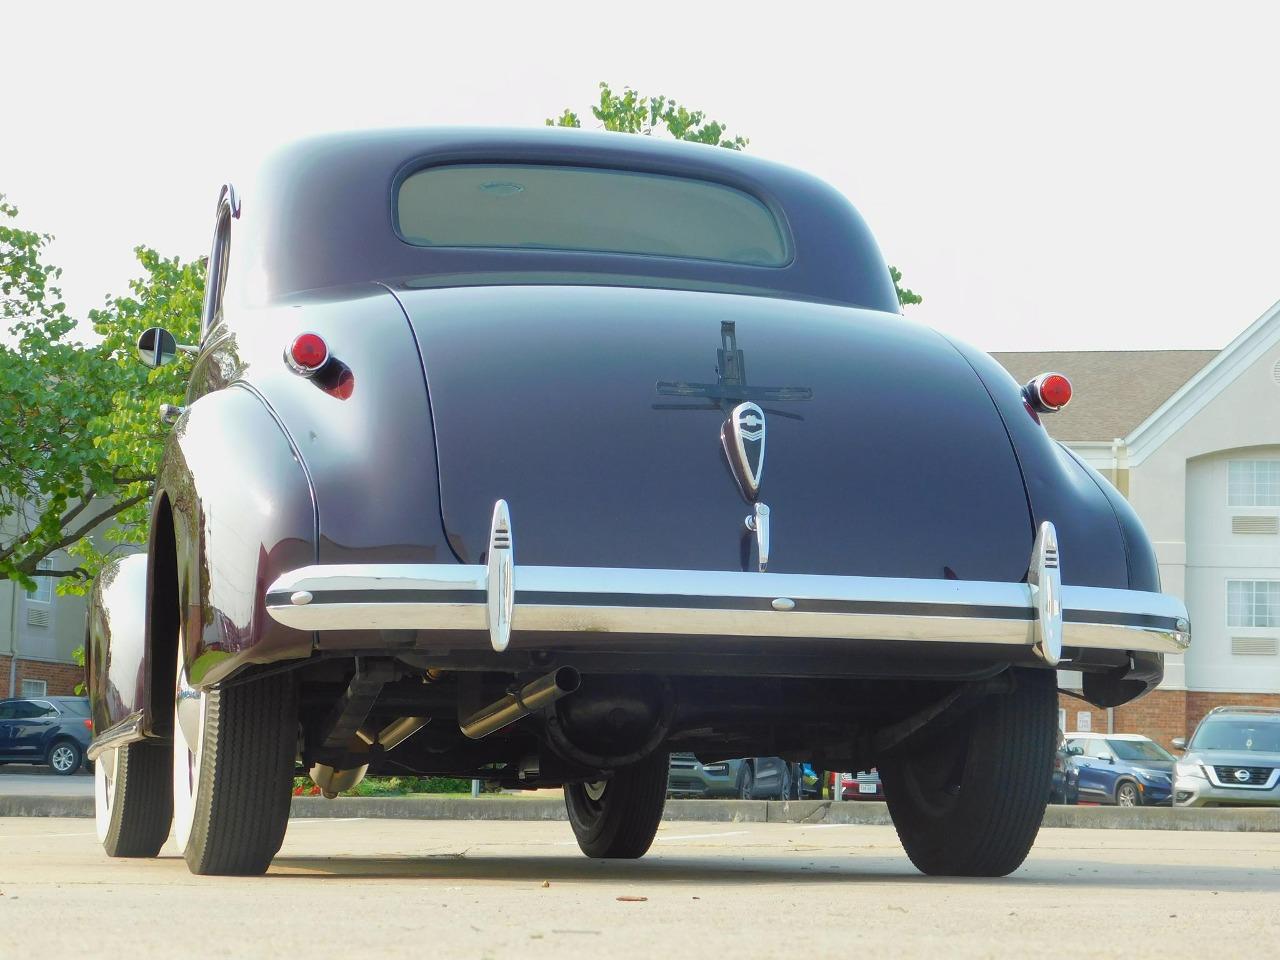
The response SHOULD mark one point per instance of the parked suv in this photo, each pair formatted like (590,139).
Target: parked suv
(1122,768)
(48,730)
(755,778)
(1233,759)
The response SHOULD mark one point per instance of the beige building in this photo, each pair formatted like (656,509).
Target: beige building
(1192,438)
(39,632)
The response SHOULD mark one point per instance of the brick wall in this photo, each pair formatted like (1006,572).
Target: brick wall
(60,677)
(1163,714)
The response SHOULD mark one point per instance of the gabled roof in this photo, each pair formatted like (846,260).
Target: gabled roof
(1113,390)
(1197,393)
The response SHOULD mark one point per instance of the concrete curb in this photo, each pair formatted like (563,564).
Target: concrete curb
(1226,819)
(21,806)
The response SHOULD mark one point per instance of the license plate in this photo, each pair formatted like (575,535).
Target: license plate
(866,788)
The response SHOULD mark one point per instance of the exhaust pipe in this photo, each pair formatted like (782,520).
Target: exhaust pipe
(532,696)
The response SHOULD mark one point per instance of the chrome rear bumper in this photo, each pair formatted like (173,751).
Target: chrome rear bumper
(1041,616)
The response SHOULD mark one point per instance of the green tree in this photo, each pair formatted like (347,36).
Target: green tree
(905,297)
(632,112)
(629,112)
(79,437)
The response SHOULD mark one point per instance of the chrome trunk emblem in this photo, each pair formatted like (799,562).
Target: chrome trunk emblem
(743,437)
(500,578)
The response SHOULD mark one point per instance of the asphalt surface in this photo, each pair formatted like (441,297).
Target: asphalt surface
(26,780)
(391,888)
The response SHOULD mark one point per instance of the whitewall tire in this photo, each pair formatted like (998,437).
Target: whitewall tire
(132,800)
(233,759)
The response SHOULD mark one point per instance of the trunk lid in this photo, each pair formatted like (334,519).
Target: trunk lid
(586,409)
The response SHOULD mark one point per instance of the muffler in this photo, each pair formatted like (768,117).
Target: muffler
(520,703)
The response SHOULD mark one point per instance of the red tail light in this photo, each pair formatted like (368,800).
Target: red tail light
(307,354)
(88,724)
(1047,393)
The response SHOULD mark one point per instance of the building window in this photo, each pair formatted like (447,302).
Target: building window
(43,593)
(1253,483)
(35,688)
(1253,603)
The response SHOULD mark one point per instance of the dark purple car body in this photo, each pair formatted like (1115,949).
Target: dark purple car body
(353,528)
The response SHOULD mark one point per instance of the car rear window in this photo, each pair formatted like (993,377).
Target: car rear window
(540,206)
(79,708)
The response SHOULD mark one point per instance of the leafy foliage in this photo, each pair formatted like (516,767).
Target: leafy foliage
(389,786)
(79,438)
(905,297)
(631,112)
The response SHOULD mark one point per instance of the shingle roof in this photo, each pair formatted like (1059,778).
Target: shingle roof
(1113,390)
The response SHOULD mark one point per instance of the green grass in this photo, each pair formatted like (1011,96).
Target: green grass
(394,786)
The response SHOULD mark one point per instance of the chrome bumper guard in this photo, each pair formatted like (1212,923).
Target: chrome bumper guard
(1041,615)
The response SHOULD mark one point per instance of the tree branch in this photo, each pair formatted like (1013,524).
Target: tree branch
(71,537)
(80,572)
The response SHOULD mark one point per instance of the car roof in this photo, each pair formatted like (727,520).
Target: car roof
(319,213)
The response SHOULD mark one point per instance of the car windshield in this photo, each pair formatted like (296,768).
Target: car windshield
(586,209)
(1245,735)
(1139,750)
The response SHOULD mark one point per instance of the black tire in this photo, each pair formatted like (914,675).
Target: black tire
(746,782)
(1128,794)
(968,802)
(618,821)
(142,806)
(64,757)
(246,778)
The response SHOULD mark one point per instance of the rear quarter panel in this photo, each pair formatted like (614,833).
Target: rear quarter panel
(242,514)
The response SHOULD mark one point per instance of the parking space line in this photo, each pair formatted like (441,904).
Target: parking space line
(705,836)
(326,820)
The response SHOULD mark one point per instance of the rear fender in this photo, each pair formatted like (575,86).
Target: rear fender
(1059,489)
(115,648)
(242,513)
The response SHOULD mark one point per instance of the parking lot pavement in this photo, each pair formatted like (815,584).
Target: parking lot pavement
(497,889)
(25,780)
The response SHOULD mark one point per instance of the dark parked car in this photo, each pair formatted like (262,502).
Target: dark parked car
(54,731)
(1064,788)
(471,478)
(755,778)
(1122,768)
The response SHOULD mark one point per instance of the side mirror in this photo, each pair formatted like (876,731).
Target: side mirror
(1110,758)
(1179,743)
(156,347)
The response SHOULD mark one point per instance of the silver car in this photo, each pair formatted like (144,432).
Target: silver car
(1233,759)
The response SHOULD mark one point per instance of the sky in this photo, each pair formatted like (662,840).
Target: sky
(1080,175)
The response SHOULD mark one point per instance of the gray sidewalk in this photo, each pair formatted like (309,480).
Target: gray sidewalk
(1250,820)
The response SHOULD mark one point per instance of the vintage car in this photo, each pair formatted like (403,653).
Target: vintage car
(471,479)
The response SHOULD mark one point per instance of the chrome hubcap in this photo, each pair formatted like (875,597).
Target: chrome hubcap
(62,759)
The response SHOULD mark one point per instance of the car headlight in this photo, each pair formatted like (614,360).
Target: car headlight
(1187,769)
(1151,776)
